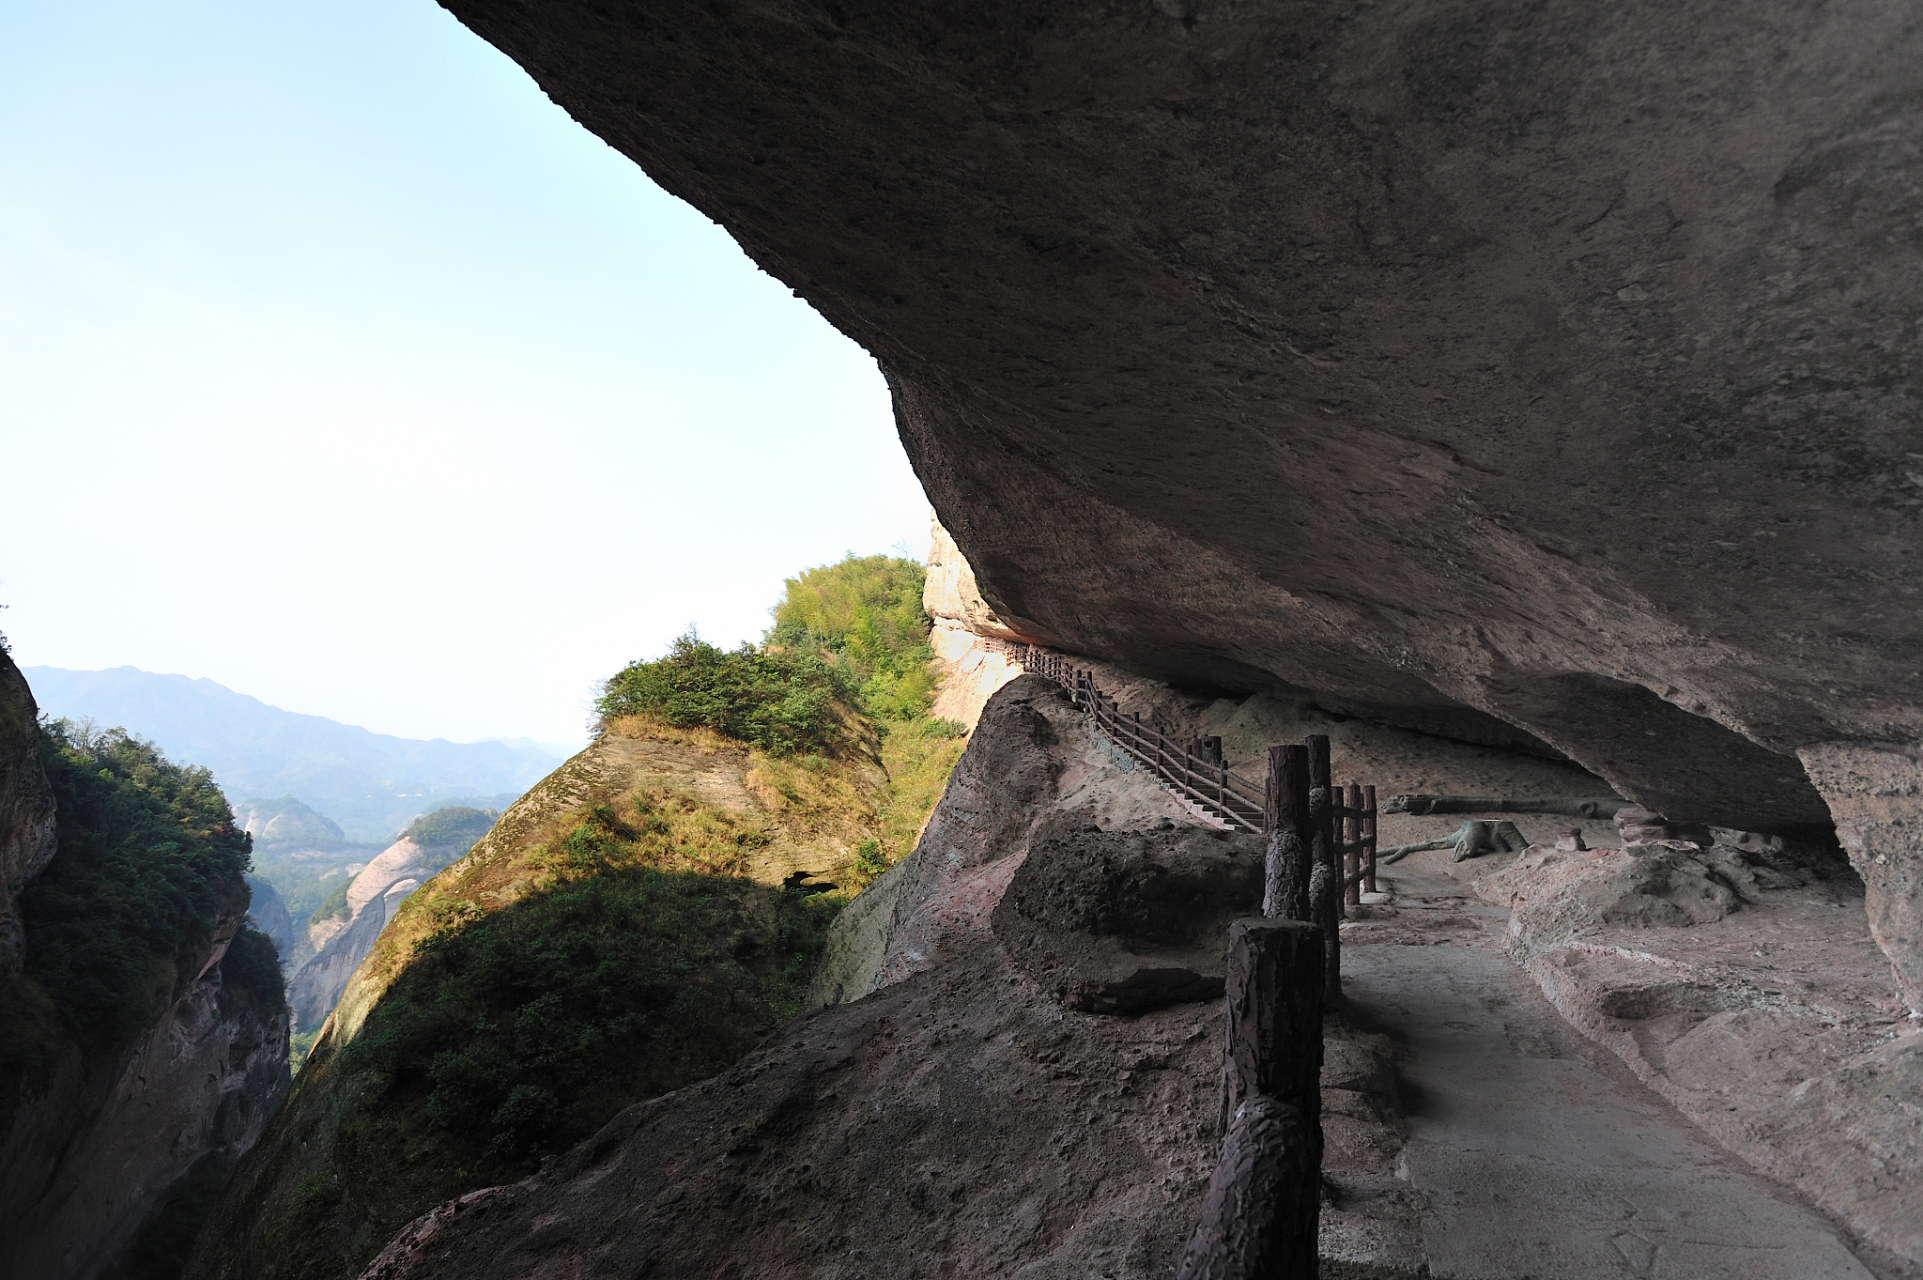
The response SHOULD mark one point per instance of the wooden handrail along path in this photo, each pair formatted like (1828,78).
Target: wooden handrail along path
(1260,1216)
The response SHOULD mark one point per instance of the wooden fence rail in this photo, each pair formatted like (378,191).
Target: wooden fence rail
(1195,768)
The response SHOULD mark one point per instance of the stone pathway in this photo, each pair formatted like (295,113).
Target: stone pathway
(1533,1155)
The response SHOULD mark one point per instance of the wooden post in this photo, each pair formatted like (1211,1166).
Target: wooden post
(1326,910)
(1273,1037)
(1286,882)
(1260,1217)
(1352,847)
(1368,839)
(1272,793)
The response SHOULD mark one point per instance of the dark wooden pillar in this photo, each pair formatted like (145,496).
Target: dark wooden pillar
(1291,835)
(1368,839)
(1326,909)
(1260,1217)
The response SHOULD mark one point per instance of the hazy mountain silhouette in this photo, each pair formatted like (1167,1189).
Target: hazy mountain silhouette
(370,783)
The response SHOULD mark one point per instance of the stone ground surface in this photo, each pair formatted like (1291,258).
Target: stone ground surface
(960,1122)
(1531,1152)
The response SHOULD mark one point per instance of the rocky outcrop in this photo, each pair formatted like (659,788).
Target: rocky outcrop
(1031,757)
(1347,354)
(319,1195)
(950,593)
(27,840)
(119,1155)
(267,912)
(959,1121)
(373,896)
(287,821)
(1123,922)
(1876,794)
(1741,987)
(973,670)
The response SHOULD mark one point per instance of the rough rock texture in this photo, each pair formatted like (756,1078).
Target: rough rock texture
(950,592)
(959,1122)
(114,1145)
(267,911)
(1031,756)
(972,672)
(27,840)
(374,894)
(1571,892)
(1126,922)
(1534,367)
(1876,793)
(1757,1006)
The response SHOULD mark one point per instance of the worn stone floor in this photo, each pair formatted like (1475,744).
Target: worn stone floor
(1528,1152)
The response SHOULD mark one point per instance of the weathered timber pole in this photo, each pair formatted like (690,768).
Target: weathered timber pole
(1368,839)
(1325,908)
(1291,834)
(1352,869)
(1264,1189)
(1259,1220)
(1272,1041)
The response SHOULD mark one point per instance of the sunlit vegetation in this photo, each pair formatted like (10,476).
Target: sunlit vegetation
(458,825)
(865,613)
(334,905)
(635,964)
(785,702)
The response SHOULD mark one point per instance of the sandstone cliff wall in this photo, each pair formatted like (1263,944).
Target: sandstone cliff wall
(1466,367)
(116,1148)
(26,808)
(373,896)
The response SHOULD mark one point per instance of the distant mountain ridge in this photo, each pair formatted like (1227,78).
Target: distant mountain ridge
(371,784)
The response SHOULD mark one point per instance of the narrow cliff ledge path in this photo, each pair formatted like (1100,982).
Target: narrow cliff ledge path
(1533,1154)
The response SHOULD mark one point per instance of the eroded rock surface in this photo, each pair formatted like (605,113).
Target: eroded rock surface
(1876,793)
(1128,921)
(1520,371)
(115,1145)
(27,840)
(1031,757)
(1746,991)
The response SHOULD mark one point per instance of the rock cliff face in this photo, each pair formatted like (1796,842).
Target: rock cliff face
(1532,372)
(120,1155)
(373,896)
(26,809)
(110,1159)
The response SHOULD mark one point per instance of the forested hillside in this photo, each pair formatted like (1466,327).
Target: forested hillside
(639,920)
(135,950)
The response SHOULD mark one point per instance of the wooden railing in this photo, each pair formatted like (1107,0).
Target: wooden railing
(1195,768)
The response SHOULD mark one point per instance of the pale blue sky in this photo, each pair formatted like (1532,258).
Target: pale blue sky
(340,366)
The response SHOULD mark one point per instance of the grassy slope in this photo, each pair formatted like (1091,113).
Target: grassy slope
(608,940)
(600,946)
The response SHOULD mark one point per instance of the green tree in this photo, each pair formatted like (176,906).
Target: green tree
(867,611)
(787,702)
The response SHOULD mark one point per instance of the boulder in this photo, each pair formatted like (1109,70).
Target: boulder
(1556,896)
(1124,922)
